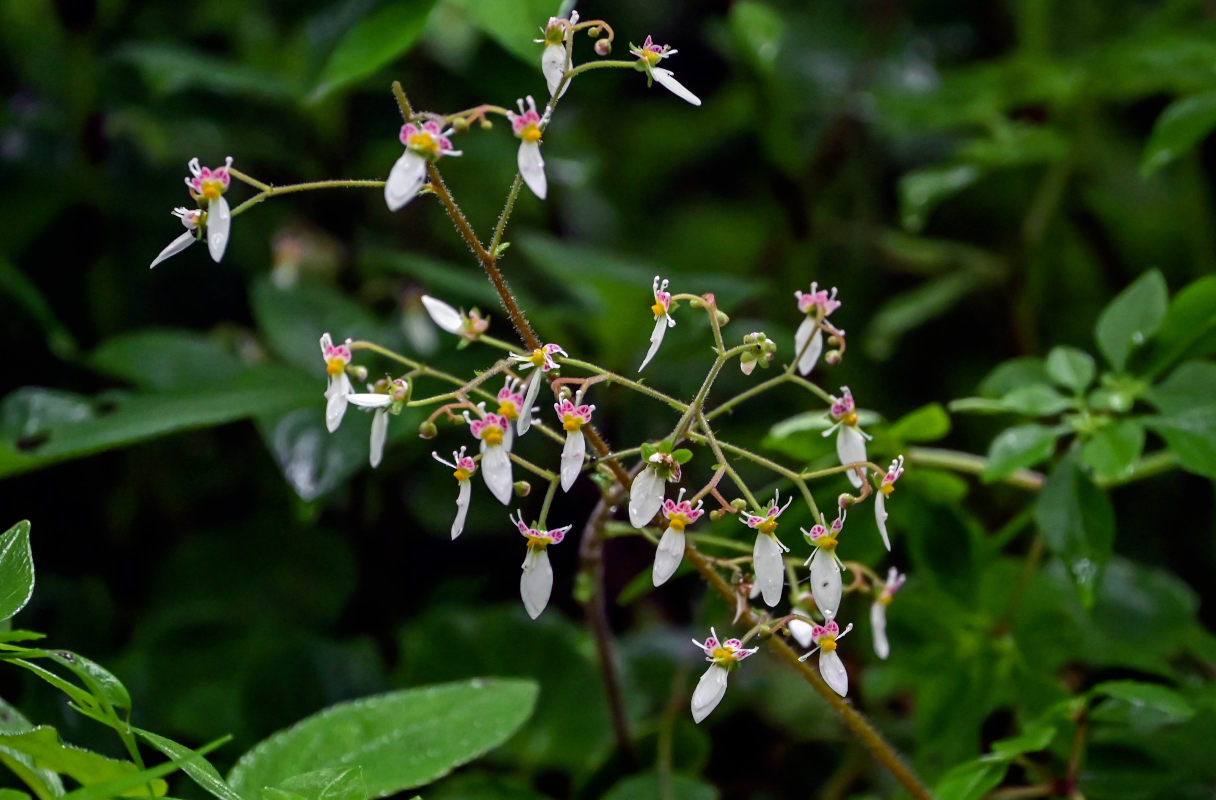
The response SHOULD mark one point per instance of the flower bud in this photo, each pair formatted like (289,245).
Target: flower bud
(357,373)
(603,47)
(846,501)
(747,362)
(768,346)
(486,124)
(382,386)
(522,488)
(832,357)
(717,514)
(427,430)
(720,315)
(594,31)
(738,504)
(460,124)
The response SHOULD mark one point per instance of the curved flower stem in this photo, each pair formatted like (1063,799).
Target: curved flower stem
(507,208)
(641,388)
(267,190)
(590,65)
(716,447)
(972,464)
(719,446)
(539,472)
(720,541)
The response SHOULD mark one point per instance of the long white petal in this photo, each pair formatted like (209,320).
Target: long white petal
(335,403)
(553,65)
(880,516)
(219,220)
(443,314)
(802,631)
(525,411)
(826,585)
(379,434)
(372,400)
(851,448)
(572,458)
(832,670)
(404,180)
(656,339)
(709,692)
(645,497)
(176,246)
(462,507)
(496,472)
(668,82)
(668,557)
(808,331)
(770,571)
(532,168)
(878,624)
(536,582)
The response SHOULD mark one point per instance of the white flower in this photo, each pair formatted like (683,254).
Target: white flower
(878,612)
(542,359)
(573,419)
(423,145)
(850,439)
(808,340)
(391,400)
(712,686)
(880,497)
(527,126)
(207,187)
(826,585)
(339,388)
(830,665)
(646,491)
(649,55)
(662,319)
(464,467)
(680,514)
(553,60)
(766,554)
(469,326)
(495,455)
(190,218)
(536,582)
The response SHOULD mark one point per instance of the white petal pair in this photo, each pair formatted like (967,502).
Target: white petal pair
(709,692)
(536,582)
(769,567)
(645,497)
(668,556)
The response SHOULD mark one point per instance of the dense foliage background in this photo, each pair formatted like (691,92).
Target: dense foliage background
(978,179)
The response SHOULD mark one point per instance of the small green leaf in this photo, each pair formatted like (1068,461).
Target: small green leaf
(1036,400)
(1166,702)
(1033,738)
(682,455)
(1077,522)
(96,678)
(16,569)
(457,722)
(648,785)
(375,41)
(85,767)
(925,424)
(1191,385)
(971,780)
(1191,434)
(1182,125)
(1071,368)
(1132,318)
(922,190)
(193,764)
(1113,450)
(1018,447)
(1007,376)
(44,782)
(1189,329)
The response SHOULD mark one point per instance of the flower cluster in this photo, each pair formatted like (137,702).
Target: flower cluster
(212,218)
(723,658)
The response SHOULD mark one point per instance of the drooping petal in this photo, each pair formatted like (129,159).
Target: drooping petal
(370,400)
(405,179)
(335,405)
(496,472)
(176,246)
(532,168)
(525,411)
(709,692)
(668,82)
(379,434)
(808,331)
(462,507)
(645,497)
(668,557)
(536,582)
(851,448)
(770,571)
(878,625)
(826,585)
(443,314)
(572,458)
(553,65)
(802,631)
(656,339)
(832,670)
(219,220)
(880,516)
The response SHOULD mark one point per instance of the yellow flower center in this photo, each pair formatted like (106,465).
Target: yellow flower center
(507,409)
(887,488)
(572,423)
(723,654)
(658,308)
(678,522)
(493,436)
(538,358)
(850,418)
(768,526)
(530,133)
(536,543)
(652,57)
(827,542)
(334,366)
(423,143)
(212,189)
(827,644)
(885,599)
(461,474)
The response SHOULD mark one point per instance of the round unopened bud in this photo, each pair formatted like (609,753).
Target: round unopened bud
(717,514)
(769,346)
(382,386)
(738,504)
(357,373)
(834,340)
(460,124)
(564,394)
(832,357)
(720,315)
(427,430)
(486,124)
(846,501)
(603,47)
(765,360)
(522,488)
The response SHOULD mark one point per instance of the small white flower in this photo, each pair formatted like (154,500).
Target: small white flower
(443,315)
(662,319)
(542,359)
(850,439)
(817,305)
(536,582)
(464,467)
(190,218)
(649,55)
(878,612)
(527,126)
(826,585)
(495,455)
(423,145)
(725,656)
(391,400)
(207,187)
(553,60)
(339,387)
(767,553)
(880,497)
(646,491)
(573,419)
(830,666)
(680,514)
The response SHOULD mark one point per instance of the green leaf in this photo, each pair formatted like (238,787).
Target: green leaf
(1191,385)
(100,682)
(514,24)
(1191,434)
(1071,368)
(314,461)
(1077,522)
(971,780)
(375,41)
(1132,318)
(29,413)
(1189,329)
(1182,125)
(1036,400)
(85,767)
(649,785)
(44,782)
(165,360)
(192,763)
(323,784)
(925,424)
(137,782)
(1114,449)
(292,321)
(16,569)
(1018,447)
(13,794)
(682,455)
(922,190)
(1141,705)
(169,69)
(1033,738)
(454,723)
(1010,375)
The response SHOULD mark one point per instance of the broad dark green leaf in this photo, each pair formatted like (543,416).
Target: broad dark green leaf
(1189,329)
(313,460)
(1114,449)
(374,42)
(29,413)
(1077,522)
(323,784)
(1071,368)
(1033,738)
(165,360)
(925,424)
(85,767)
(1132,318)
(971,780)
(1036,400)
(514,24)
(1182,125)
(22,290)
(168,69)
(45,782)
(1142,706)
(1191,434)
(649,785)
(192,763)
(1018,447)
(292,321)
(16,569)
(401,739)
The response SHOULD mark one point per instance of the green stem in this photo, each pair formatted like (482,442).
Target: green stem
(544,506)
(590,65)
(641,388)
(274,191)
(971,464)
